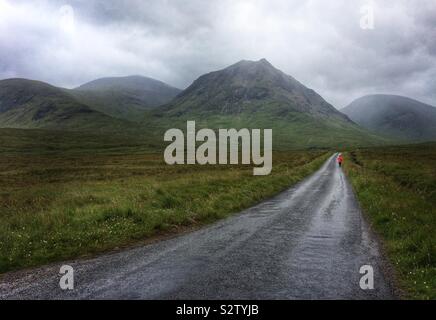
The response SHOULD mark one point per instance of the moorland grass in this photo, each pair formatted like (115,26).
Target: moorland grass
(396,187)
(61,205)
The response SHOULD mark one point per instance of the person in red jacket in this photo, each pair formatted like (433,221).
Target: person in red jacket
(340,159)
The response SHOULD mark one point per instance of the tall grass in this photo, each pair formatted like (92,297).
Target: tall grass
(56,207)
(397,188)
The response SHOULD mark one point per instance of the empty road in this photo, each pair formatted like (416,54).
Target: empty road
(308,242)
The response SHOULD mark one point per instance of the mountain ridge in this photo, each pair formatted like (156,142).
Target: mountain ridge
(254,94)
(249,81)
(394,115)
(124,97)
(35,104)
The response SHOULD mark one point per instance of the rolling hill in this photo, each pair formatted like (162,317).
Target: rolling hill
(254,94)
(30,104)
(124,97)
(396,116)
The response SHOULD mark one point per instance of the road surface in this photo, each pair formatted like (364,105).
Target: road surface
(308,242)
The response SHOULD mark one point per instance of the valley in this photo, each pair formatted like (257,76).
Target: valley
(83,170)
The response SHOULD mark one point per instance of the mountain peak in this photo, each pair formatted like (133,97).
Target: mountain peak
(265,62)
(252,86)
(255,94)
(262,63)
(397,116)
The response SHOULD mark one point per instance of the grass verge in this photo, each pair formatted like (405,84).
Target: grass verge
(396,186)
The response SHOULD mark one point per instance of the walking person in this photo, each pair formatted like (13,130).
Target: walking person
(340,159)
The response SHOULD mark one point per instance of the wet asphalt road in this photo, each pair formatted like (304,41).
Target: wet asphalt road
(308,242)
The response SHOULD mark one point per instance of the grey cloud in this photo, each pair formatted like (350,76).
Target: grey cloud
(318,42)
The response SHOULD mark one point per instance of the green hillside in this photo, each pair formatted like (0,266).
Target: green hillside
(33,104)
(397,116)
(254,94)
(124,97)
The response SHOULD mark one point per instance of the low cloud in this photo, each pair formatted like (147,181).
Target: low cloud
(319,42)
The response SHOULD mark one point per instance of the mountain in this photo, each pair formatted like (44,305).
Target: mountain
(254,94)
(396,116)
(34,104)
(124,97)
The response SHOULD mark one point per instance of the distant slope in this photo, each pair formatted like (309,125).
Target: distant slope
(34,104)
(124,97)
(254,94)
(397,116)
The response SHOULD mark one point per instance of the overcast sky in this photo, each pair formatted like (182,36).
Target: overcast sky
(321,43)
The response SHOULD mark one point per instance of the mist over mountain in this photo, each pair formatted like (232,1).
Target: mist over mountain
(124,97)
(396,116)
(254,94)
